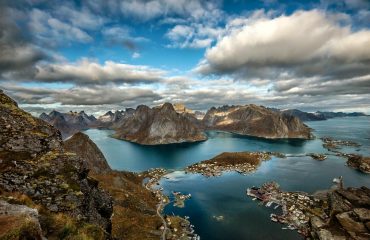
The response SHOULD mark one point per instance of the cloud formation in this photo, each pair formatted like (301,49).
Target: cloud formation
(85,95)
(16,50)
(312,53)
(303,37)
(83,72)
(89,72)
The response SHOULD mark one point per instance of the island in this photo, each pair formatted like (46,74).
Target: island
(257,121)
(159,125)
(241,162)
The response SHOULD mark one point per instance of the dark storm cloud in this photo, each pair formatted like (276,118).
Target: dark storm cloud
(17,51)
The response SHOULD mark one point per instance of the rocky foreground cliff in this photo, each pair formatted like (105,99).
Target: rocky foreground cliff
(159,125)
(36,171)
(47,189)
(258,121)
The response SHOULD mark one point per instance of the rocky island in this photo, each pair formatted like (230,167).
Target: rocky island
(159,125)
(359,162)
(258,121)
(241,162)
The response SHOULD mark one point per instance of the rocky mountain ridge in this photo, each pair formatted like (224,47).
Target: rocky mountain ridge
(69,123)
(65,190)
(258,121)
(159,125)
(35,166)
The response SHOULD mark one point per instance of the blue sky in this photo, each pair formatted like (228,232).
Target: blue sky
(104,55)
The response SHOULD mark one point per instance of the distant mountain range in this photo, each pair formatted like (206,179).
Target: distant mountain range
(317,116)
(175,123)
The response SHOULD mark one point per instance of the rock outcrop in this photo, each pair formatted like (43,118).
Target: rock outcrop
(87,150)
(19,222)
(258,121)
(349,212)
(359,162)
(159,125)
(34,164)
(69,123)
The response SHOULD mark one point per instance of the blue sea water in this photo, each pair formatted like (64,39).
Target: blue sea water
(225,195)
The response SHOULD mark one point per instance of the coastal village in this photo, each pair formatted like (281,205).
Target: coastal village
(173,227)
(337,213)
(297,207)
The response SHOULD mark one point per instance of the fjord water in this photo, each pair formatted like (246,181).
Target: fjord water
(225,195)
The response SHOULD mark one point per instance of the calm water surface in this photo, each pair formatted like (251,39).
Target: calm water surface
(225,195)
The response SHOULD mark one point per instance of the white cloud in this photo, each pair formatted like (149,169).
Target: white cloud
(195,35)
(51,30)
(89,72)
(80,18)
(136,55)
(180,31)
(146,10)
(300,37)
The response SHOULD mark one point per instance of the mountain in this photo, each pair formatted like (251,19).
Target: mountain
(112,120)
(50,189)
(159,125)
(258,121)
(181,108)
(69,123)
(36,170)
(87,150)
(339,114)
(303,116)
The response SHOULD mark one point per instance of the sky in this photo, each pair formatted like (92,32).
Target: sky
(100,55)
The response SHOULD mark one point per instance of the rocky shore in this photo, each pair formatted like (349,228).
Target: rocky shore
(317,156)
(335,214)
(334,145)
(355,161)
(172,227)
(359,162)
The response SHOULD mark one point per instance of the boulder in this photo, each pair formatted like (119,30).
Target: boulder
(19,222)
(350,224)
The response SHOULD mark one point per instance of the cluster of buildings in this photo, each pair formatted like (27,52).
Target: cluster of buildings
(180,199)
(297,207)
(215,169)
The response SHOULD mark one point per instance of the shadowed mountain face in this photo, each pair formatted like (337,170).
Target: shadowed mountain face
(303,116)
(87,150)
(339,114)
(159,125)
(69,123)
(255,121)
